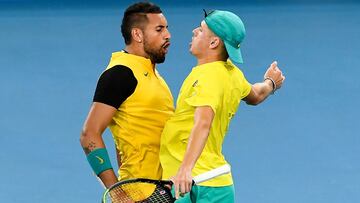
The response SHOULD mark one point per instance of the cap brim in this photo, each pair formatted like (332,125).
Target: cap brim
(234,53)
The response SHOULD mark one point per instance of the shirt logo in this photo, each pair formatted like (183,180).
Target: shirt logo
(146,74)
(101,161)
(195,83)
(231,115)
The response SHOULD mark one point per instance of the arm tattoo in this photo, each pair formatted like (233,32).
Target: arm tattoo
(89,148)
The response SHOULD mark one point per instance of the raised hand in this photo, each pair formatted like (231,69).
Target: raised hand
(275,74)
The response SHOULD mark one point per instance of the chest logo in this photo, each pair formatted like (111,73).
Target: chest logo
(146,74)
(195,83)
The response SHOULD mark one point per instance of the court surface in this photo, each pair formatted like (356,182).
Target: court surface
(301,145)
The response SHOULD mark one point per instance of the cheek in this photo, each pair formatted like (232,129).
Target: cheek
(151,36)
(195,45)
(155,40)
(199,41)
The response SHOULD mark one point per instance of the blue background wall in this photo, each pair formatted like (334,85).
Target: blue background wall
(301,145)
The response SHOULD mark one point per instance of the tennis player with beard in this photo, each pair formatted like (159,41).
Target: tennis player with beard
(132,99)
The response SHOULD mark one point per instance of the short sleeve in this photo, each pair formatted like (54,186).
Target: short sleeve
(245,86)
(115,85)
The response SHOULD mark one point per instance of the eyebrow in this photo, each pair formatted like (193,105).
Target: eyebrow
(162,26)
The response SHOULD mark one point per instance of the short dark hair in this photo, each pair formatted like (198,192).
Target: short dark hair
(135,15)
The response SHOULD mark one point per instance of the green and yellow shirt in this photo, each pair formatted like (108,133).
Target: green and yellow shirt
(220,85)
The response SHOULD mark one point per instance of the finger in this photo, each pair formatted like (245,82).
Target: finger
(172,180)
(183,188)
(189,186)
(274,64)
(176,188)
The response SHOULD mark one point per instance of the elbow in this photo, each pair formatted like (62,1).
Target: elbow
(89,134)
(254,101)
(204,126)
(84,136)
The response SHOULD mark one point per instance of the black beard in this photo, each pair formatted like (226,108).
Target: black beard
(156,55)
(157,58)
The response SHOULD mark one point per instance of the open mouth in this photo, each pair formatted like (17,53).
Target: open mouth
(166,46)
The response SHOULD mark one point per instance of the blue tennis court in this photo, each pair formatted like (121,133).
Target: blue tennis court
(301,145)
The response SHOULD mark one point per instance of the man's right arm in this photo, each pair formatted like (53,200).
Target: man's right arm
(99,117)
(115,85)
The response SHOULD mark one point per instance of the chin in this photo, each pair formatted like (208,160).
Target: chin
(191,50)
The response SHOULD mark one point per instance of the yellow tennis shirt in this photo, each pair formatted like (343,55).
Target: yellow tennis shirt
(220,85)
(139,121)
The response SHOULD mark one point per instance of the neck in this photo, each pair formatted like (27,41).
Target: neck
(209,58)
(138,50)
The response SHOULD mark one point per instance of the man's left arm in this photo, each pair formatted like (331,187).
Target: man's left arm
(273,79)
(202,123)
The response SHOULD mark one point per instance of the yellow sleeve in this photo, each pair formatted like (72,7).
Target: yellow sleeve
(245,86)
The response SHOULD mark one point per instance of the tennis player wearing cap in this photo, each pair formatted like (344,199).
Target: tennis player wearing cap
(191,142)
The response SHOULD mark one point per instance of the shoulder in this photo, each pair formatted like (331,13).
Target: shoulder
(212,71)
(115,85)
(118,70)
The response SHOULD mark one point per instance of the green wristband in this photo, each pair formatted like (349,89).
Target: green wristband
(99,160)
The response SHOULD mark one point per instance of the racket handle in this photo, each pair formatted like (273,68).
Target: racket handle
(212,174)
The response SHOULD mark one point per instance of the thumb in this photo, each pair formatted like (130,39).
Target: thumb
(274,65)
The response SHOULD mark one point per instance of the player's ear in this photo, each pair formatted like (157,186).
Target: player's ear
(137,35)
(214,42)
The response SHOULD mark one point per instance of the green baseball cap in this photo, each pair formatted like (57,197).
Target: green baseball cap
(230,28)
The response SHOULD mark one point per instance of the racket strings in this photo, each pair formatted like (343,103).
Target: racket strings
(131,192)
(160,195)
(139,192)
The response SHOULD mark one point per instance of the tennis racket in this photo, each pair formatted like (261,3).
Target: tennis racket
(152,191)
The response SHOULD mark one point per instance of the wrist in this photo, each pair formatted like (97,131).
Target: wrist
(272,83)
(99,160)
(186,167)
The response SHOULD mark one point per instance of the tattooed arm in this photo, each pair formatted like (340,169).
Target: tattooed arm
(99,117)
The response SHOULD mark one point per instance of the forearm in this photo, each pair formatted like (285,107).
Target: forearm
(91,141)
(108,178)
(263,89)
(196,144)
(259,92)
(273,80)
(203,118)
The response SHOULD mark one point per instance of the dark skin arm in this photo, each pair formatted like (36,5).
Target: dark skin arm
(98,119)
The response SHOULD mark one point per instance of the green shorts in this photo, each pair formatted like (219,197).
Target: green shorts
(204,194)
